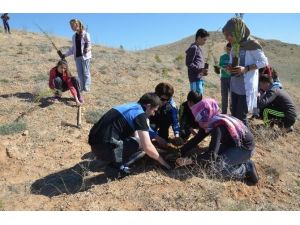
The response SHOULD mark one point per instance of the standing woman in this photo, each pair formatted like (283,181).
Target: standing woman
(81,49)
(244,79)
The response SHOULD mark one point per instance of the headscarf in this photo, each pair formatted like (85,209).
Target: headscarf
(246,42)
(207,114)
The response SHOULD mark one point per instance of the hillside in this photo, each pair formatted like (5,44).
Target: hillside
(42,167)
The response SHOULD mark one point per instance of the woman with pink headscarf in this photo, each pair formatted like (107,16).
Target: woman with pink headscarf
(232,144)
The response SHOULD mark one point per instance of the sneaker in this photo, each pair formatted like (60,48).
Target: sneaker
(251,174)
(124,171)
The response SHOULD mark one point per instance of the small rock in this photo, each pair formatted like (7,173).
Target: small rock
(13,152)
(25,133)
(76,133)
(68,140)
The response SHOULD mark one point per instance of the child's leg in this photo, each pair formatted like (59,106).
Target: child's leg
(269,114)
(197,86)
(79,68)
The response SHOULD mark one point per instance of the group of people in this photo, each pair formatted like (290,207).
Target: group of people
(127,132)
(61,79)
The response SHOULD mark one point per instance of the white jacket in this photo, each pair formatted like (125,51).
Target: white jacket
(258,58)
(85,41)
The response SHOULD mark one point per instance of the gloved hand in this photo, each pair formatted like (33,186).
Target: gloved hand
(62,56)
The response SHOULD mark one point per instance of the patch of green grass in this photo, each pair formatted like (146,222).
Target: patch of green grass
(42,93)
(93,116)
(179,59)
(179,80)
(165,72)
(5,81)
(297,182)
(12,128)
(134,68)
(157,59)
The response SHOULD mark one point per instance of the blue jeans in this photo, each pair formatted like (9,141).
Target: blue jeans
(84,75)
(198,86)
(6,26)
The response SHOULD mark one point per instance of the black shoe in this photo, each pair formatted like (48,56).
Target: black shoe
(251,173)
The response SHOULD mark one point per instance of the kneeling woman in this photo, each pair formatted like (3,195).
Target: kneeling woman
(61,80)
(231,146)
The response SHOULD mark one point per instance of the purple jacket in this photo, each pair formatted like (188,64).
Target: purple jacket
(195,62)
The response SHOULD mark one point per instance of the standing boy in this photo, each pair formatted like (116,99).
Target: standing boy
(195,62)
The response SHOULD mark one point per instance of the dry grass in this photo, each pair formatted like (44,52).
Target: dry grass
(52,150)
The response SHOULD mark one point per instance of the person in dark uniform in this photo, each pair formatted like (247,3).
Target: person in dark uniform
(275,104)
(121,136)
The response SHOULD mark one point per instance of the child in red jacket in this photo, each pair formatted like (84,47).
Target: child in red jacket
(61,80)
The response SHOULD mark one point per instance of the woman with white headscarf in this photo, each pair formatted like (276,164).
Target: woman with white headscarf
(244,80)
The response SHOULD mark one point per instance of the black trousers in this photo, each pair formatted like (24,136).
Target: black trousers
(61,85)
(6,26)
(161,123)
(116,151)
(239,107)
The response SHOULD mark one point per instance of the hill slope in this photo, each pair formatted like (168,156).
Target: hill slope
(41,167)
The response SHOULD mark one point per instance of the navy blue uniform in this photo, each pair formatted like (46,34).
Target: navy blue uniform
(111,138)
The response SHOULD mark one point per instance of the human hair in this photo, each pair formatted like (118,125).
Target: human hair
(164,89)
(78,22)
(194,97)
(228,45)
(201,33)
(150,98)
(64,62)
(265,78)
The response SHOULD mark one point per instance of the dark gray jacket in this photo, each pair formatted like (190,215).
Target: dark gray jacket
(278,99)
(195,62)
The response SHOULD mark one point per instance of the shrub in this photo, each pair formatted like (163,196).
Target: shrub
(179,58)
(41,91)
(179,62)
(4,81)
(165,72)
(157,59)
(12,128)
